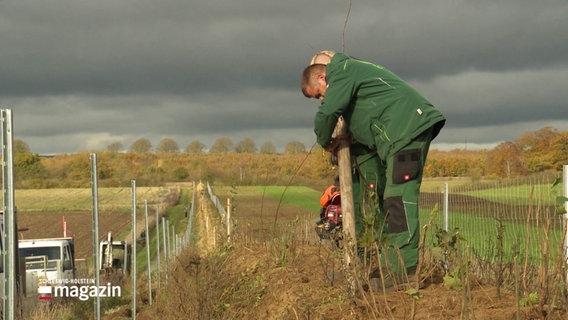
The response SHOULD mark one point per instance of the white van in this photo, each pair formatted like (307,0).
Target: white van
(48,261)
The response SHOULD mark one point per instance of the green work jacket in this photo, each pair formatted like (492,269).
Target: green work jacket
(381,110)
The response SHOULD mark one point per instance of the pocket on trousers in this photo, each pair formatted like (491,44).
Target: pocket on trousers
(406,165)
(395,215)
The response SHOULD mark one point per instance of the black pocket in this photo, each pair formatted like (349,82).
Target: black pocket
(395,215)
(406,165)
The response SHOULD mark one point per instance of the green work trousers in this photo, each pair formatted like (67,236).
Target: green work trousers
(402,190)
(368,172)
(385,194)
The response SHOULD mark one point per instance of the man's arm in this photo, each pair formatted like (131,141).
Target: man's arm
(337,100)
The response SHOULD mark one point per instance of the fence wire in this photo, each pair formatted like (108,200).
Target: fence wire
(519,215)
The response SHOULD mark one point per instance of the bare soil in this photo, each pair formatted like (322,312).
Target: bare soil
(36,225)
(272,270)
(268,274)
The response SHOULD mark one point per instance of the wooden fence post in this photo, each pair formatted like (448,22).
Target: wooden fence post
(347,207)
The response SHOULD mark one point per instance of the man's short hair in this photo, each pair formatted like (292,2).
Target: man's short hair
(327,53)
(309,76)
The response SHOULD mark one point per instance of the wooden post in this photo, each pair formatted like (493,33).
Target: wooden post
(347,207)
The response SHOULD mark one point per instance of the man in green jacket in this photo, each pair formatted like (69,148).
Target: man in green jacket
(392,125)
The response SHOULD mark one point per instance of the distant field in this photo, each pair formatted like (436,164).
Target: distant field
(521,194)
(81,199)
(437,185)
(294,195)
(298,196)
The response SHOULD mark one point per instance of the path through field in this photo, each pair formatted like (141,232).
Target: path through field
(204,220)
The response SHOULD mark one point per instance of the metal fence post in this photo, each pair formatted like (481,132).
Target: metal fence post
(96,257)
(565,217)
(133,183)
(148,260)
(10,252)
(228,220)
(158,246)
(171,240)
(446,206)
(164,234)
(168,246)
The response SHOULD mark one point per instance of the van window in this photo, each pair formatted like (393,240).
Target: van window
(52,253)
(67,263)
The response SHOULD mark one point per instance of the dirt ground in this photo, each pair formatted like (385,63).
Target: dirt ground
(310,285)
(285,274)
(303,289)
(294,277)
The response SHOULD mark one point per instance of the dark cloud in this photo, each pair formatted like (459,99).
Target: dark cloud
(83,74)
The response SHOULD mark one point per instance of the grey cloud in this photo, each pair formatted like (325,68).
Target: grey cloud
(82,73)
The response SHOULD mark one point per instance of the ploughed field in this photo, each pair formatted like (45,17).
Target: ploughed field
(37,225)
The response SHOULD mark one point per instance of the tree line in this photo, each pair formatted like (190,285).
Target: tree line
(221,145)
(533,152)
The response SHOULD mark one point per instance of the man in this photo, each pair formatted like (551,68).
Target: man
(369,221)
(393,126)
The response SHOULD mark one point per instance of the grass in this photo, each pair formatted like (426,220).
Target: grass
(80,199)
(197,287)
(431,185)
(516,194)
(294,195)
(481,234)
(249,289)
(175,217)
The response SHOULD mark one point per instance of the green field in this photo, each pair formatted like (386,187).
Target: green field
(521,194)
(479,233)
(294,195)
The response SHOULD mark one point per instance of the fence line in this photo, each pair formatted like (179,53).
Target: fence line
(523,211)
(218,204)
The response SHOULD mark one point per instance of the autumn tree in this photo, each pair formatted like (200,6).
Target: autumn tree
(505,161)
(559,151)
(141,145)
(295,147)
(222,145)
(27,165)
(319,165)
(180,173)
(20,146)
(78,170)
(536,147)
(167,145)
(195,147)
(114,147)
(246,146)
(267,148)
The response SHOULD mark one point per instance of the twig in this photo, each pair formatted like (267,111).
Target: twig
(345,26)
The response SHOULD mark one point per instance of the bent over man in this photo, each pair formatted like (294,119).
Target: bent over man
(393,124)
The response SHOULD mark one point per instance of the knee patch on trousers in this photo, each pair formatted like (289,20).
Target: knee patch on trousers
(396,215)
(406,165)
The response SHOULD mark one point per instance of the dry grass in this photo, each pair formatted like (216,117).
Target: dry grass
(80,199)
(281,271)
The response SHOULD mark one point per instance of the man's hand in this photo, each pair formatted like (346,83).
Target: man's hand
(335,142)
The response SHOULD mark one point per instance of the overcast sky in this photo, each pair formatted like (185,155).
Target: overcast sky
(80,75)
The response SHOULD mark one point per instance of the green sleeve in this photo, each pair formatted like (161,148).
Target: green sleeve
(336,102)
